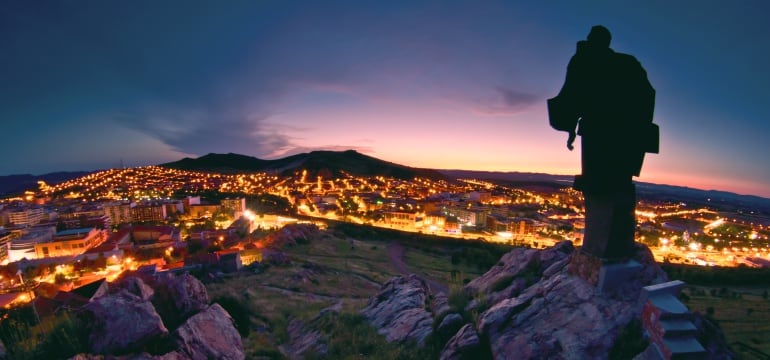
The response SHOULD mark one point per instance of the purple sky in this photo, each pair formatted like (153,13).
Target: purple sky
(444,84)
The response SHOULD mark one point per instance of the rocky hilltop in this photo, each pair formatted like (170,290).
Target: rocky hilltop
(534,304)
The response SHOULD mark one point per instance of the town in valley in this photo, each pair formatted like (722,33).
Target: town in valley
(157,218)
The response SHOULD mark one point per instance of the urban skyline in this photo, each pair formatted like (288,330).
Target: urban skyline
(437,85)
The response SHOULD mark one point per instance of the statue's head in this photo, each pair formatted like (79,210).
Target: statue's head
(599,36)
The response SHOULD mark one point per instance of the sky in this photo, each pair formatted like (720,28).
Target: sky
(90,85)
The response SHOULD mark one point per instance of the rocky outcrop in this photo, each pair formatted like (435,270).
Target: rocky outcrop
(188,294)
(399,311)
(304,337)
(517,270)
(303,340)
(464,345)
(545,304)
(133,285)
(555,314)
(127,324)
(209,334)
(533,304)
(122,322)
(292,234)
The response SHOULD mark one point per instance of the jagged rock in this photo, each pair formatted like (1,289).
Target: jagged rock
(121,322)
(291,234)
(464,345)
(500,282)
(303,341)
(559,315)
(209,334)
(440,305)
(136,286)
(450,324)
(399,311)
(188,294)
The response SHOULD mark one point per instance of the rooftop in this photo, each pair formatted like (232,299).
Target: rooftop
(74,231)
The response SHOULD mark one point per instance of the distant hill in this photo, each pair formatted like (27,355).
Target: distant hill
(17,184)
(649,191)
(326,164)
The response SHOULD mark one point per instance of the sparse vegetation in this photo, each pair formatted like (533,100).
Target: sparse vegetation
(742,313)
(351,337)
(56,337)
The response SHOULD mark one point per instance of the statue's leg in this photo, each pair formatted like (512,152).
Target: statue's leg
(621,242)
(598,206)
(610,223)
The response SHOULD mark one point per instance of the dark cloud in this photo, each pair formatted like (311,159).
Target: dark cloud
(198,131)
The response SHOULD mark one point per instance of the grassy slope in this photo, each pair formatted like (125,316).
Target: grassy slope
(350,271)
(731,311)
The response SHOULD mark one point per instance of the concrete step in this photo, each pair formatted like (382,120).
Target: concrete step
(684,348)
(673,328)
(670,306)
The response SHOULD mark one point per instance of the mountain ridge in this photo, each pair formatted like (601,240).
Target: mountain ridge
(323,163)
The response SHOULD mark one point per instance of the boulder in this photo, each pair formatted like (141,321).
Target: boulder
(440,305)
(121,323)
(517,270)
(464,345)
(450,324)
(136,286)
(209,334)
(399,311)
(303,341)
(188,294)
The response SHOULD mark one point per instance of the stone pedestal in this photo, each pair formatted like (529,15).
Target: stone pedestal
(605,276)
(610,223)
(613,275)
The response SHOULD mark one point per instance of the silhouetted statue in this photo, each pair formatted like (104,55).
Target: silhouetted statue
(608,101)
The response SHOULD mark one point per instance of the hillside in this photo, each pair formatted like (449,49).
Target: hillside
(327,164)
(16,184)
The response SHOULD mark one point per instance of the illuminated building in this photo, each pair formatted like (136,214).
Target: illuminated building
(188,201)
(118,212)
(23,247)
(148,212)
(402,220)
(5,239)
(203,210)
(26,217)
(234,207)
(482,197)
(148,237)
(70,242)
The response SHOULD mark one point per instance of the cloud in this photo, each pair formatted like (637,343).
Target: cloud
(493,101)
(200,131)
